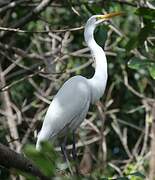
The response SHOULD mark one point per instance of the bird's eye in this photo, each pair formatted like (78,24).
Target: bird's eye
(98,18)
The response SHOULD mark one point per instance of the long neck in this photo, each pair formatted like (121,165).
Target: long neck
(98,81)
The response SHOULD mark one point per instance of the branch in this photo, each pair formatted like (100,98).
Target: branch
(20,52)
(152,156)
(30,16)
(41,32)
(37,10)
(11,5)
(5,97)
(125,2)
(11,159)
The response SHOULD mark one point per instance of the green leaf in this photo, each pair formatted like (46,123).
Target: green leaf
(146,12)
(132,43)
(121,178)
(101,35)
(138,174)
(152,70)
(26,175)
(144,33)
(136,63)
(138,40)
(45,159)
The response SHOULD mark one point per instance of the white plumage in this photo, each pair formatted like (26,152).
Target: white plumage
(70,105)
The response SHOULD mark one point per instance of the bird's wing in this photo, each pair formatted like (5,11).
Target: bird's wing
(71,101)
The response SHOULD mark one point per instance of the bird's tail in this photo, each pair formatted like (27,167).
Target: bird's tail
(43,135)
(38,145)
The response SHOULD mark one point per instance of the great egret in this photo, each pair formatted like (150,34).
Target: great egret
(70,105)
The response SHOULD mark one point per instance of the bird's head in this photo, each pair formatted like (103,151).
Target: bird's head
(97,19)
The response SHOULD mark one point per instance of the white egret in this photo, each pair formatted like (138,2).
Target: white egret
(70,105)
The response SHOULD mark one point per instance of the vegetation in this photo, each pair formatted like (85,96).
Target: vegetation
(41,46)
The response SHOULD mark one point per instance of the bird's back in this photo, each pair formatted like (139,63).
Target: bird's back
(68,108)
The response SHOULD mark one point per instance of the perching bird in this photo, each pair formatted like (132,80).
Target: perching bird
(70,105)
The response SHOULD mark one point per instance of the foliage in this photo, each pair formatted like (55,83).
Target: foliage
(45,159)
(36,64)
(49,163)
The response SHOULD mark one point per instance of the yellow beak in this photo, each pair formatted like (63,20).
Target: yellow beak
(110,15)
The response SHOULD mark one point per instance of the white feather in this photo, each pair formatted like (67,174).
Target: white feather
(70,106)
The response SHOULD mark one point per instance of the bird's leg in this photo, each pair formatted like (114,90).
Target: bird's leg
(63,149)
(74,153)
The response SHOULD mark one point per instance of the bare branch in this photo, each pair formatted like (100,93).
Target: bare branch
(7,107)
(152,157)
(11,159)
